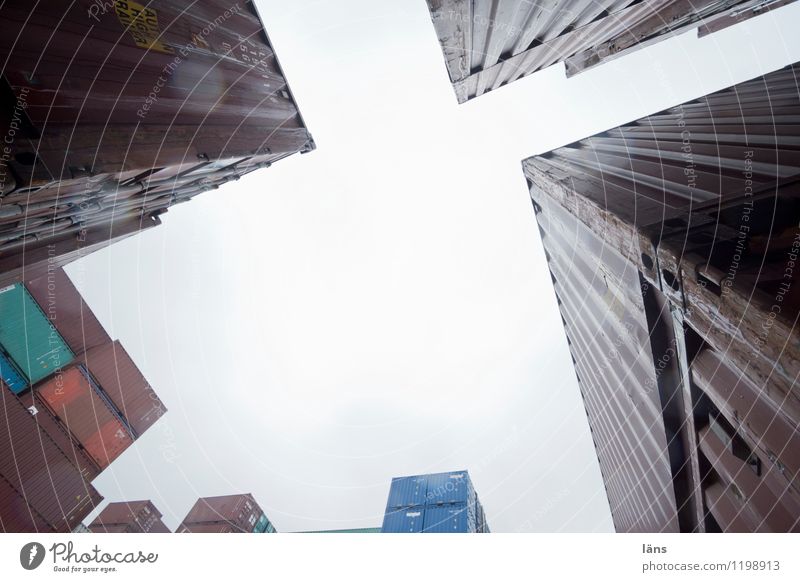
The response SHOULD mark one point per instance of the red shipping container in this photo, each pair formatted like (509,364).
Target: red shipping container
(41,490)
(115,371)
(82,410)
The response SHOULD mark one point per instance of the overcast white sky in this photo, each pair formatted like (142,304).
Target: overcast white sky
(382,306)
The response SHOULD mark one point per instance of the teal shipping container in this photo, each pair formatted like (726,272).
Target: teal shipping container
(11,376)
(28,337)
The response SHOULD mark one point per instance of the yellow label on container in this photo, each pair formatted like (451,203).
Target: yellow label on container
(142,23)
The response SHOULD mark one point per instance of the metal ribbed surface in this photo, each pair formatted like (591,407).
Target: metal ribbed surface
(223,514)
(129,517)
(489,43)
(66,310)
(86,415)
(601,305)
(40,489)
(688,155)
(677,235)
(116,372)
(106,131)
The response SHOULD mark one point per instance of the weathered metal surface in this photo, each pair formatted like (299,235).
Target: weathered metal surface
(700,205)
(490,43)
(87,416)
(223,514)
(120,378)
(51,427)
(601,304)
(67,311)
(106,125)
(28,337)
(129,517)
(41,490)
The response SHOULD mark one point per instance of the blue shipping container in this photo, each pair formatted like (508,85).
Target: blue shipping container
(454,518)
(407,520)
(453,487)
(11,376)
(407,491)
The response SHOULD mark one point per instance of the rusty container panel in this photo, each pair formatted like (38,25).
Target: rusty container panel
(772,435)
(119,110)
(40,489)
(48,425)
(177,89)
(67,311)
(699,203)
(120,378)
(129,517)
(759,492)
(490,43)
(222,514)
(86,415)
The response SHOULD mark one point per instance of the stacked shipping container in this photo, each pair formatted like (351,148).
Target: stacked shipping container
(435,503)
(81,393)
(41,487)
(106,128)
(129,517)
(672,243)
(226,514)
(489,43)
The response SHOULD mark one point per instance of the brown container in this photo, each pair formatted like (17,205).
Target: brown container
(223,514)
(67,311)
(86,415)
(672,243)
(40,489)
(490,43)
(209,68)
(117,111)
(47,424)
(114,370)
(129,517)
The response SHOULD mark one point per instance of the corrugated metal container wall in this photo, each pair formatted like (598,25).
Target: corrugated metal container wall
(264,525)
(129,517)
(406,520)
(601,305)
(408,491)
(208,528)
(177,89)
(50,427)
(94,424)
(28,337)
(112,127)
(451,518)
(11,375)
(671,242)
(115,371)
(489,43)
(40,489)
(64,306)
(453,487)
(232,513)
